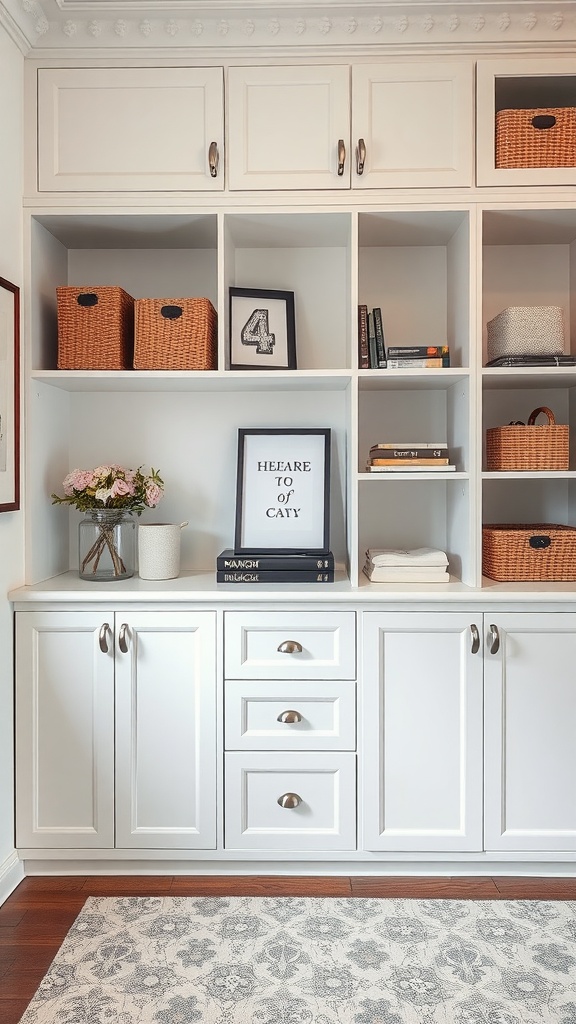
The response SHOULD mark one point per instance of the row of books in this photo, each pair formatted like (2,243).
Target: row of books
(417,457)
(374,354)
(274,568)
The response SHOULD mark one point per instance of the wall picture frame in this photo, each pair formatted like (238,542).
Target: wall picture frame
(261,329)
(283,491)
(9,396)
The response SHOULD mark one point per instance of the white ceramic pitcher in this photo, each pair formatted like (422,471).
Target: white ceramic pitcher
(159,550)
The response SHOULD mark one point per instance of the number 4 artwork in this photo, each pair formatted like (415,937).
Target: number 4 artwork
(261,330)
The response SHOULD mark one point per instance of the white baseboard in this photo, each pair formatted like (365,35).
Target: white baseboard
(11,874)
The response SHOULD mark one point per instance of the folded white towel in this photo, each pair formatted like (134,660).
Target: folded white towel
(406,574)
(410,556)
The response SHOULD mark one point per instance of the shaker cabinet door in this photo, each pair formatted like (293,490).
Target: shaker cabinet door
(65,730)
(288,127)
(422,729)
(416,123)
(130,129)
(166,730)
(530,725)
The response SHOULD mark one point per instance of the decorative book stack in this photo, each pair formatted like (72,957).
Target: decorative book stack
(419,457)
(417,357)
(413,565)
(371,345)
(274,568)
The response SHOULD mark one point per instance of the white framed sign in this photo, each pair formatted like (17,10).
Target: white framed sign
(262,330)
(283,491)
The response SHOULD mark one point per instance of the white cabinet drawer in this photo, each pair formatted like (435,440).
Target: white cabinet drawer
(322,787)
(263,715)
(290,645)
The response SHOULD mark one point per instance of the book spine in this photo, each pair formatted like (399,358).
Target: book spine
(278,576)
(363,354)
(418,351)
(416,364)
(386,445)
(408,462)
(372,342)
(275,563)
(409,467)
(406,454)
(379,332)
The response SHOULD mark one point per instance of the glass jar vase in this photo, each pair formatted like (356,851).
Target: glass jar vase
(106,545)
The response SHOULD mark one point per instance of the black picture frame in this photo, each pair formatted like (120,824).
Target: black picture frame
(262,332)
(283,491)
(9,396)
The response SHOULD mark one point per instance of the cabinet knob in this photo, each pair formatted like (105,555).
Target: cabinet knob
(290,647)
(103,637)
(475,639)
(494,639)
(341,157)
(213,158)
(123,638)
(289,800)
(289,717)
(360,156)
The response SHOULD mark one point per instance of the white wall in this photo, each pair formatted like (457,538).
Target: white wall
(11,523)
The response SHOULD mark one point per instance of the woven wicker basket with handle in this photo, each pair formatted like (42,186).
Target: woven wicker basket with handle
(544,137)
(95,328)
(533,551)
(532,446)
(175,334)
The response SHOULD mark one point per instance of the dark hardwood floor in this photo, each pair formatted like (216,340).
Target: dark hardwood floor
(35,918)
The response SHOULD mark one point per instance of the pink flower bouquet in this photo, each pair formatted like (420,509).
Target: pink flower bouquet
(111,486)
(107,495)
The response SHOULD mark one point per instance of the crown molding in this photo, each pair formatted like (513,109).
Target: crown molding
(89,26)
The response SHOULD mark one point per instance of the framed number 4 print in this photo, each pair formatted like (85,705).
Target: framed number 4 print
(262,330)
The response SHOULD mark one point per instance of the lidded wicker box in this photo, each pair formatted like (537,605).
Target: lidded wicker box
(542,137)
(533,551)
(534,446)
(95,328)
(175,334)
(526,331)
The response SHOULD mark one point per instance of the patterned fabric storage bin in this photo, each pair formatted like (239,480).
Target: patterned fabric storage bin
(544,137)
(526,331)
(534,551)
(175,334)
(95,328)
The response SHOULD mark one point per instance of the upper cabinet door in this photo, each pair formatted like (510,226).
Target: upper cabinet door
(289,127)
(526,127)
(415,123)
(130,129)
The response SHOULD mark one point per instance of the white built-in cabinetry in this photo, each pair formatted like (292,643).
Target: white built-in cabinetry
(463,746)
(116,729)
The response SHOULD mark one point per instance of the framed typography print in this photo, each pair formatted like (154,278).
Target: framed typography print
(283,491)
(9,396)
(262,331)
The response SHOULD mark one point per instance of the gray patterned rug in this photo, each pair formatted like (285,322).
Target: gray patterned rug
(178,960)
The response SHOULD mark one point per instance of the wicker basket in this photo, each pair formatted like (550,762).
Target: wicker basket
(526,331)
(528,447)
(175,334)
(95,328)
(536,551)
(544,137)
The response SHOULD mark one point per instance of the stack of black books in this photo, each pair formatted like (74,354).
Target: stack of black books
(545,360)
(274,568)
